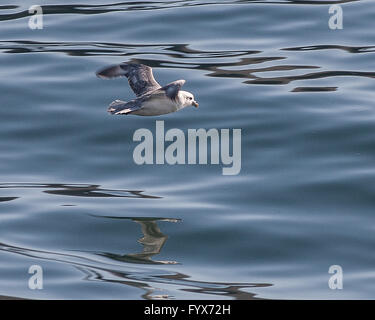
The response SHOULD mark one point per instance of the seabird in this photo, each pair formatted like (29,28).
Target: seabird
(152,99)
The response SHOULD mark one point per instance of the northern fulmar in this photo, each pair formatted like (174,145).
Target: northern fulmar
(152,99)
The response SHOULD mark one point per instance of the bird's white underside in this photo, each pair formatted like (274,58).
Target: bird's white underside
(157,106)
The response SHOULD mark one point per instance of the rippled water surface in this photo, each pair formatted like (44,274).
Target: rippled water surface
(73,201)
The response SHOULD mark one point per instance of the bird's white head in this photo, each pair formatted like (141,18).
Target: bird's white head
(187,99)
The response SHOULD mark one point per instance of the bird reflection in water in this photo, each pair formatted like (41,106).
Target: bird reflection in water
(155,283)
(152,241)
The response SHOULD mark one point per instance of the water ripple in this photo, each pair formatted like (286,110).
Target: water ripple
(97,270)
(76,190)
(350,49)
(148,5)
(224,64)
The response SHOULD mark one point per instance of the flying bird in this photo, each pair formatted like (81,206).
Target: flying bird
(151,98)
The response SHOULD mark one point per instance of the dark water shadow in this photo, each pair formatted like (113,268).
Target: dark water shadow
(362,49)
(10,298)
(4,199)
(87,48)
(76,190)
(310,76)
(314,89)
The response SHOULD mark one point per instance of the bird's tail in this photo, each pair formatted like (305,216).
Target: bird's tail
(121,107)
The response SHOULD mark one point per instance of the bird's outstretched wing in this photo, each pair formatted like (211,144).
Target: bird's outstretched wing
(171,89)
(140,77)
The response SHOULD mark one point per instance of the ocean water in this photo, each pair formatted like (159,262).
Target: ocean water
(74,202)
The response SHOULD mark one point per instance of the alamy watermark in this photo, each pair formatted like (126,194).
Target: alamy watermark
(36,20)
(336,280)
(197,139)
(36,280)
(336,20)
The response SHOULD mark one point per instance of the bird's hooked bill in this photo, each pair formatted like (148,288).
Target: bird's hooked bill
(195,104)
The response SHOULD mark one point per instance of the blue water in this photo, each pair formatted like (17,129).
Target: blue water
(73,201)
